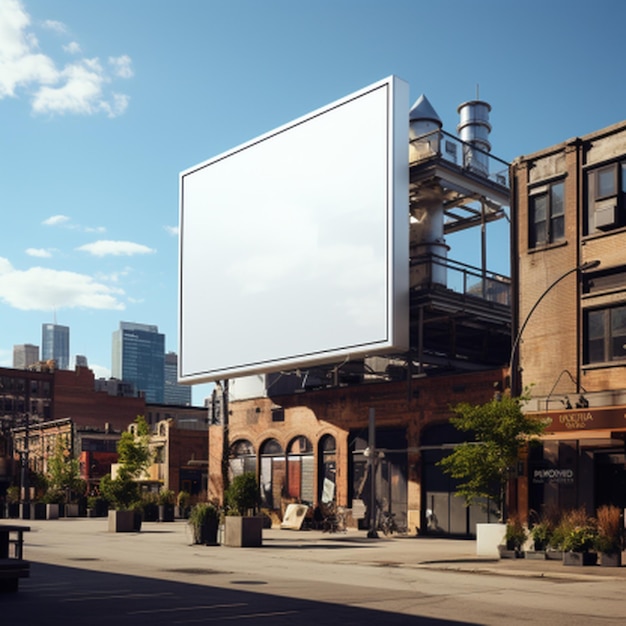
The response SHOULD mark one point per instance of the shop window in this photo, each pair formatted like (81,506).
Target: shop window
(327,468)
(546,214)
(606,208)
(300,468)
(605,334)
(273,473)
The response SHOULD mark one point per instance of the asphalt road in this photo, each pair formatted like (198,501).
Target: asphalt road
(83,574)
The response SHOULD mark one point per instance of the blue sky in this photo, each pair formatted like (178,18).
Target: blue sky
(103,103)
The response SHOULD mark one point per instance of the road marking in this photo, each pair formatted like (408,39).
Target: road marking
(188,608)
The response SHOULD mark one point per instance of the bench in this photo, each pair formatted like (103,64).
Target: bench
(11,570)
(12,567)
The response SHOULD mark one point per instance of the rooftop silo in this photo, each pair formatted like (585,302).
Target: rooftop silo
(474,129)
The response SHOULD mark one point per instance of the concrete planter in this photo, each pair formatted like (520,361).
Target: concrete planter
(243,532)
(166,512)
(488,539)
(38,510)
(611,560)
(72,510)
(580,558)
(52,511)
(121,521)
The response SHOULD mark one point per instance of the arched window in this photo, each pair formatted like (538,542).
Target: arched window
(327,468)
(241,458)
(300,468)
(272,473)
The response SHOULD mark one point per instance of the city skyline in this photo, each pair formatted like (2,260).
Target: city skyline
(104,104)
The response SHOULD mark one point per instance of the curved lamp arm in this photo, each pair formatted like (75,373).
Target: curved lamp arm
(589,265)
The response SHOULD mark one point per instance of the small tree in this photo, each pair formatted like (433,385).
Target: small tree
(63,472)
(134,458)
(242,494)
(500,430)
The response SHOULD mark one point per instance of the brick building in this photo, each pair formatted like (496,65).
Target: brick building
(306,433)
(50,403)
(569,220)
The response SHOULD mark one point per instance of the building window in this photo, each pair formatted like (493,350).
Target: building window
(605,206)
(605,335)
(547,214)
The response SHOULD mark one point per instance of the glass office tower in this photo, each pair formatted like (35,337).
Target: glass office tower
(138,357)
(55,344)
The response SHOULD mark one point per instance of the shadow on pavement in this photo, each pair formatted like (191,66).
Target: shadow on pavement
(56,595)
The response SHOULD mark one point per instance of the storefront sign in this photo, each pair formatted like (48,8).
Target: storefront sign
(554,476)
(583,419)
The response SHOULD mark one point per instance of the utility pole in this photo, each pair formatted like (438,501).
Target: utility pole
(372,533)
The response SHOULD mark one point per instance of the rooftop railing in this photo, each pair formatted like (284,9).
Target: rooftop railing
(466,156)
(462,278)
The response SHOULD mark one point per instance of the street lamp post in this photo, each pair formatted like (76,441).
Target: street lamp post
(584,267)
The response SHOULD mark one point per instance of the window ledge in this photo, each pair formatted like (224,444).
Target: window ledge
(547,246)
(607,365)
(620,230)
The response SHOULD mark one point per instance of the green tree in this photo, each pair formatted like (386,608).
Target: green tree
(134,458)
(63,472)
(500,429)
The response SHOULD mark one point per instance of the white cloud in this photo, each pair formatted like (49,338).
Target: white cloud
(172,230)
(41,289)
(122,66)
(115,248)
(58,27)
(72,48)
(55,220)
(41,253)
(81,87)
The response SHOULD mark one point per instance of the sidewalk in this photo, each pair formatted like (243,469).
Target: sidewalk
(87,542)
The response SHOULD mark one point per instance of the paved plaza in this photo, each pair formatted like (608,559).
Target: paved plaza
(157,576)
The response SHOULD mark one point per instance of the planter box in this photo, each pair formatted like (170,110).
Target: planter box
(536,555)
(506,553)
(554,555)
(611,560)
(52,511)
(71,510)
(166,512)
(580,558)
(121,521)
(206,534)
(38,510)
(488,539)
(243,532)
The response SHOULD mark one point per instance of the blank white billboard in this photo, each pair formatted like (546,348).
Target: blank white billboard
(294,246)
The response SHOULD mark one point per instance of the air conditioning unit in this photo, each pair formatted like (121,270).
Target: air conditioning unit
(605,216)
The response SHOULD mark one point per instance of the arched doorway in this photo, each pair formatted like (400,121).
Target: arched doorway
(273,473)
(300,468)
(327,469)
(241,458)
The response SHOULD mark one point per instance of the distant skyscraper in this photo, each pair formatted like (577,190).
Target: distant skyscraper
(174,393)
(25,355)
(138,357)
(55,344)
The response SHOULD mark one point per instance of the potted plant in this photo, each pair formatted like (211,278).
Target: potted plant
(166,500)
(609,538)
(13,501)
(183,500)
(242,528)
(204,521)
(515,537)
(541,534)
(150,502)
(578,534)
(122,492)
